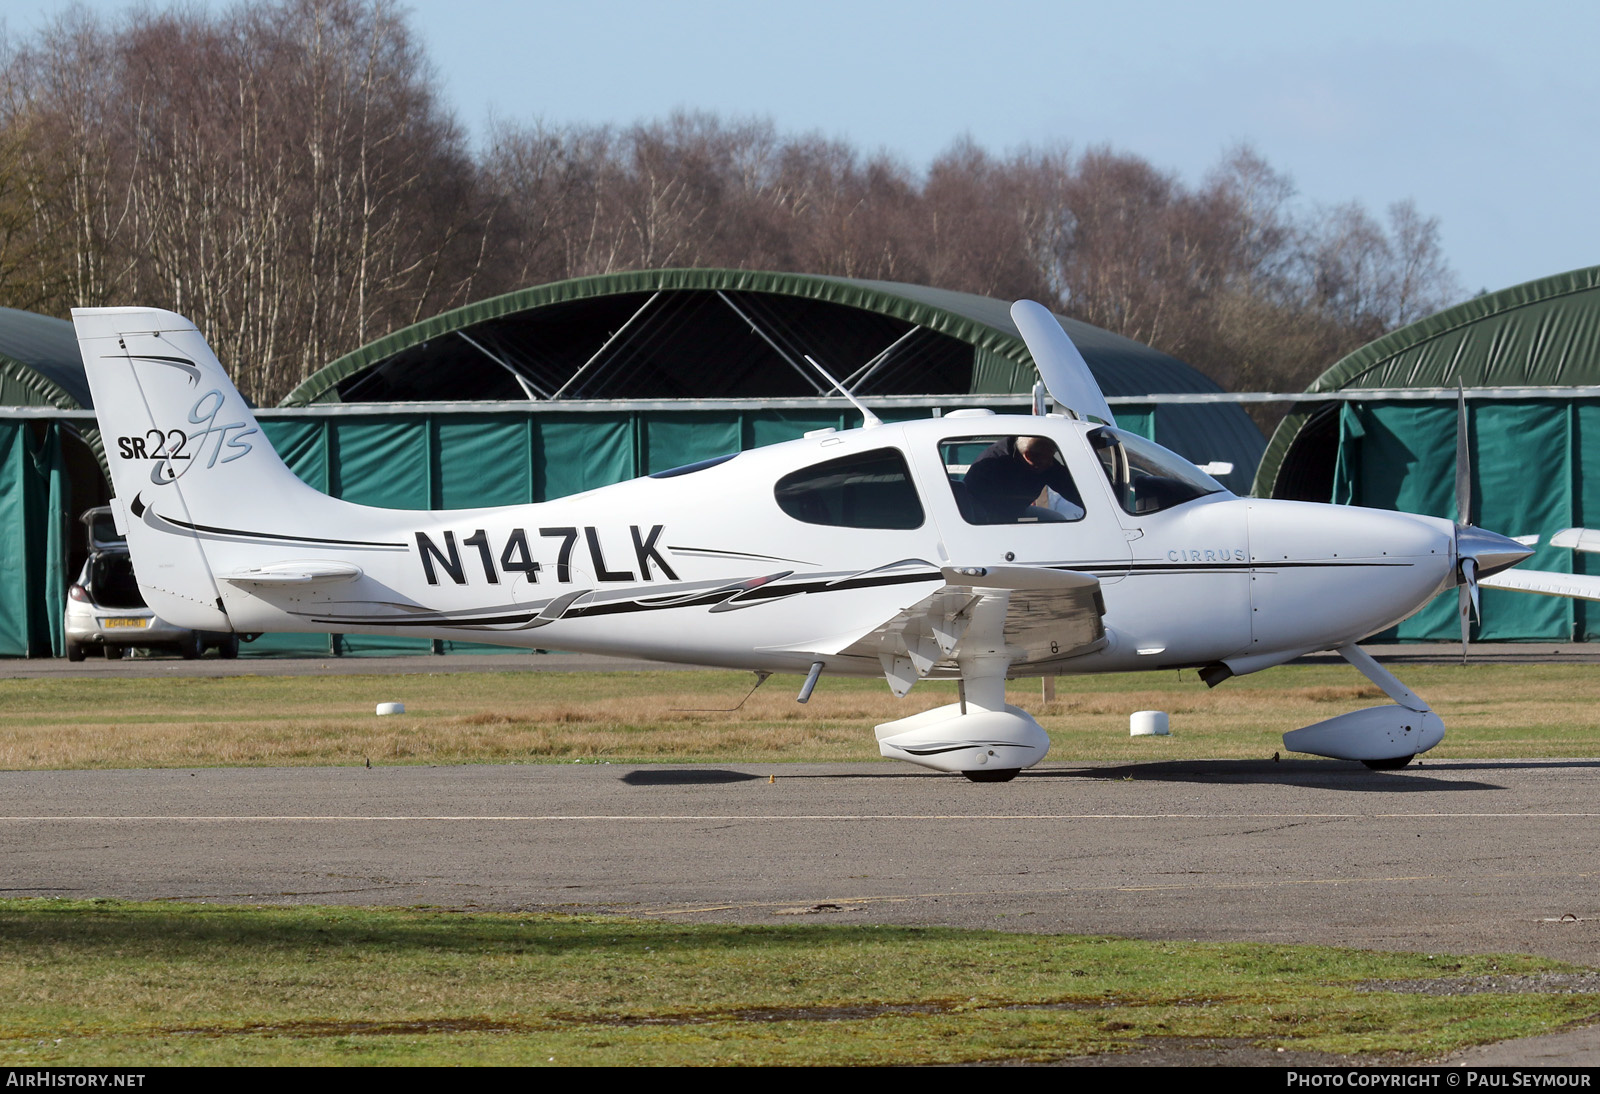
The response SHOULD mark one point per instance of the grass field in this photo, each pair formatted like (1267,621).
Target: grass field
(129,985)
(1518,711)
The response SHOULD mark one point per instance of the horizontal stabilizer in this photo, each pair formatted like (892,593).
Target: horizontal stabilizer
(1546,583)
(310,572)
(1579,539)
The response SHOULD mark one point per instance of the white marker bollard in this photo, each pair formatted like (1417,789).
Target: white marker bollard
(391,708)
(1148,723)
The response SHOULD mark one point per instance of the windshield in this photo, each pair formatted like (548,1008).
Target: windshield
(1145,477)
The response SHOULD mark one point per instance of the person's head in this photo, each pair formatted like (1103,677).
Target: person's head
(1037,452)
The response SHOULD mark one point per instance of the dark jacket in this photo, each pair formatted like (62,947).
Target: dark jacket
(1002,485)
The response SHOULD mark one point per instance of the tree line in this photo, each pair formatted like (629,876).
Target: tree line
(285,174)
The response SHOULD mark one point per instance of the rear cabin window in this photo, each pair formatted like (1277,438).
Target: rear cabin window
(867,490)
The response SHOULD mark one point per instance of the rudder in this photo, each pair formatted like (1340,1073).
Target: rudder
(184,450)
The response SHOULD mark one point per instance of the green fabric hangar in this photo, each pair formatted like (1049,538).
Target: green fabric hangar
(560,388)
(1525,362)
(49,472)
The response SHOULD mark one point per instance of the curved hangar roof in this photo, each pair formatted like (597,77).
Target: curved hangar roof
(699,334)
(39,362)
(1539,334)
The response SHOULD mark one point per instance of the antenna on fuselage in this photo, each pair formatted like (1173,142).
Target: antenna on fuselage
(868,418)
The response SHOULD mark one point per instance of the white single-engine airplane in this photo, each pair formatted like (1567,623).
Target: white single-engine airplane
(859,552)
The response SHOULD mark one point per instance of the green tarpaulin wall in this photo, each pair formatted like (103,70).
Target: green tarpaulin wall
(1543,333)
(425,460)
(1535,470)
(34,509)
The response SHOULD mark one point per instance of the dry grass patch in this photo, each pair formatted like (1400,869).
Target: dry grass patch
(1490,710)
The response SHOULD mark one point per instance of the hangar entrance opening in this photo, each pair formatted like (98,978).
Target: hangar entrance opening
(682,344)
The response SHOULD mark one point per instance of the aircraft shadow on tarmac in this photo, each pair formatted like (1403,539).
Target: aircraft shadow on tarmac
(1517,765)
(679,776)
(692,777)
(1321,774)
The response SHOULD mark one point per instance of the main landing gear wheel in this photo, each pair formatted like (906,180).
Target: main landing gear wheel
(1393,763)
(998,775)
(228,648)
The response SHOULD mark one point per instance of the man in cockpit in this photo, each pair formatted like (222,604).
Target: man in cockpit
(1006,480)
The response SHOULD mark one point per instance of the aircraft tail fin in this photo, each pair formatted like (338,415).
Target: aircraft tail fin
(186,454)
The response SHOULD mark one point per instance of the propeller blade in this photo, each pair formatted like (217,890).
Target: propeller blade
(1467,602)
(1061,366)
(1463,460)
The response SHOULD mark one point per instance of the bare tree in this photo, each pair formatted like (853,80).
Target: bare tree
(284,174)
(1423,281)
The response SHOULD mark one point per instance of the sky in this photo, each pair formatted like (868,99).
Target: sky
(1484,114)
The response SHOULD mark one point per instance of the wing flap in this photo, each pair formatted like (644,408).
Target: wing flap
(1056,624)
(1050,615)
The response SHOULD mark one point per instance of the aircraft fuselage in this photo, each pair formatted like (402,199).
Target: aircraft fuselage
(1216,578)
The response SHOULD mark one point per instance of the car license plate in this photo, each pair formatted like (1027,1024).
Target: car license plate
(109,623)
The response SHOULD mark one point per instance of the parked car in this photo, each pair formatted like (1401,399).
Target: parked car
(105,609)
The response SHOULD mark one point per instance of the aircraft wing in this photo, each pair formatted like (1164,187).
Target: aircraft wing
(1049,615)
(1545,583)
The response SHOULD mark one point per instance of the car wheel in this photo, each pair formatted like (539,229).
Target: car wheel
(191,646)
(229,647)
(75,651)
(113,653)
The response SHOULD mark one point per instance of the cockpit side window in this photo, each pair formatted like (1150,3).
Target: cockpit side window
(866,490)
(1145,477)
(1010,480)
